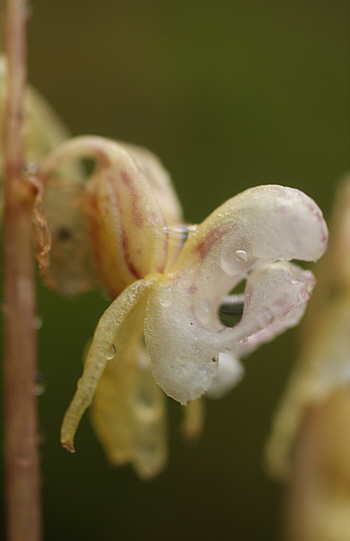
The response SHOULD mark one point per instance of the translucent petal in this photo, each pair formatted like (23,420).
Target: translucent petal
(149,446)
(128,410)
(182,330)
(43,130)
(263,223)
(159,179)
(71,267)
(184,360)
(165,195)
(321,370)
(112,336)
(275,299)
(229,373)
(127,224)
(193,420)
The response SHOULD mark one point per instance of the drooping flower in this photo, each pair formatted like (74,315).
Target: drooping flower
(309,444)
(169,282)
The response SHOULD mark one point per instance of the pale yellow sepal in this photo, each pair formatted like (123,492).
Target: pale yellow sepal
(113,331)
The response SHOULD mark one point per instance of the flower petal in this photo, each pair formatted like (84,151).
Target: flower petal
(275,299)
(193,420)
(230,372)
(184,361)
(124,208)
(71,269)
(182,331)
(114,330)
(263,223)
(128,410)
(159,179)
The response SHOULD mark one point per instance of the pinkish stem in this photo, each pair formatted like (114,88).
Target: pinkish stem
(21,427)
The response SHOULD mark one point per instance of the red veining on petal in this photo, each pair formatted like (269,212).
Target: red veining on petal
(162,264)
(204,247)
(137,213)
(127,256)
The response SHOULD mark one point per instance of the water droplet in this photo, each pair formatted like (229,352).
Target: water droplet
(39,385)
(111,352)
(166,297)
(105,296)
(233,262)
(241,255)
(229,263)
(203,312)
(37,322)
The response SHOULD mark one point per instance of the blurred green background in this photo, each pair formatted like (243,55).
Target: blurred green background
(230,94)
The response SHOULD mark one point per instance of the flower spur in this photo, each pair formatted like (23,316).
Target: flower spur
(167,295)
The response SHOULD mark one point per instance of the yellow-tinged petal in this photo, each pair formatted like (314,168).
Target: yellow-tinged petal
(126,207)
(71,267)
(126,223)
(42,130)
(149,446)
(309,444)
(193,420)
(166,197)
(323,366)
(128,410)
(113,331)
(159,179)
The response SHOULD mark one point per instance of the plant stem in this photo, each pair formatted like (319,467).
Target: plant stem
(21,430)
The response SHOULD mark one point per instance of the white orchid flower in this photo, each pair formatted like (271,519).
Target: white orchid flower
(170,282)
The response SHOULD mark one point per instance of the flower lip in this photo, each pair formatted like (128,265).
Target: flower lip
(257,232)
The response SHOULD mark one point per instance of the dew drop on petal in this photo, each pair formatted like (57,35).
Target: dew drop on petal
(166,297)
(241,255)
(111,352)
(203,312)
(231,261)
